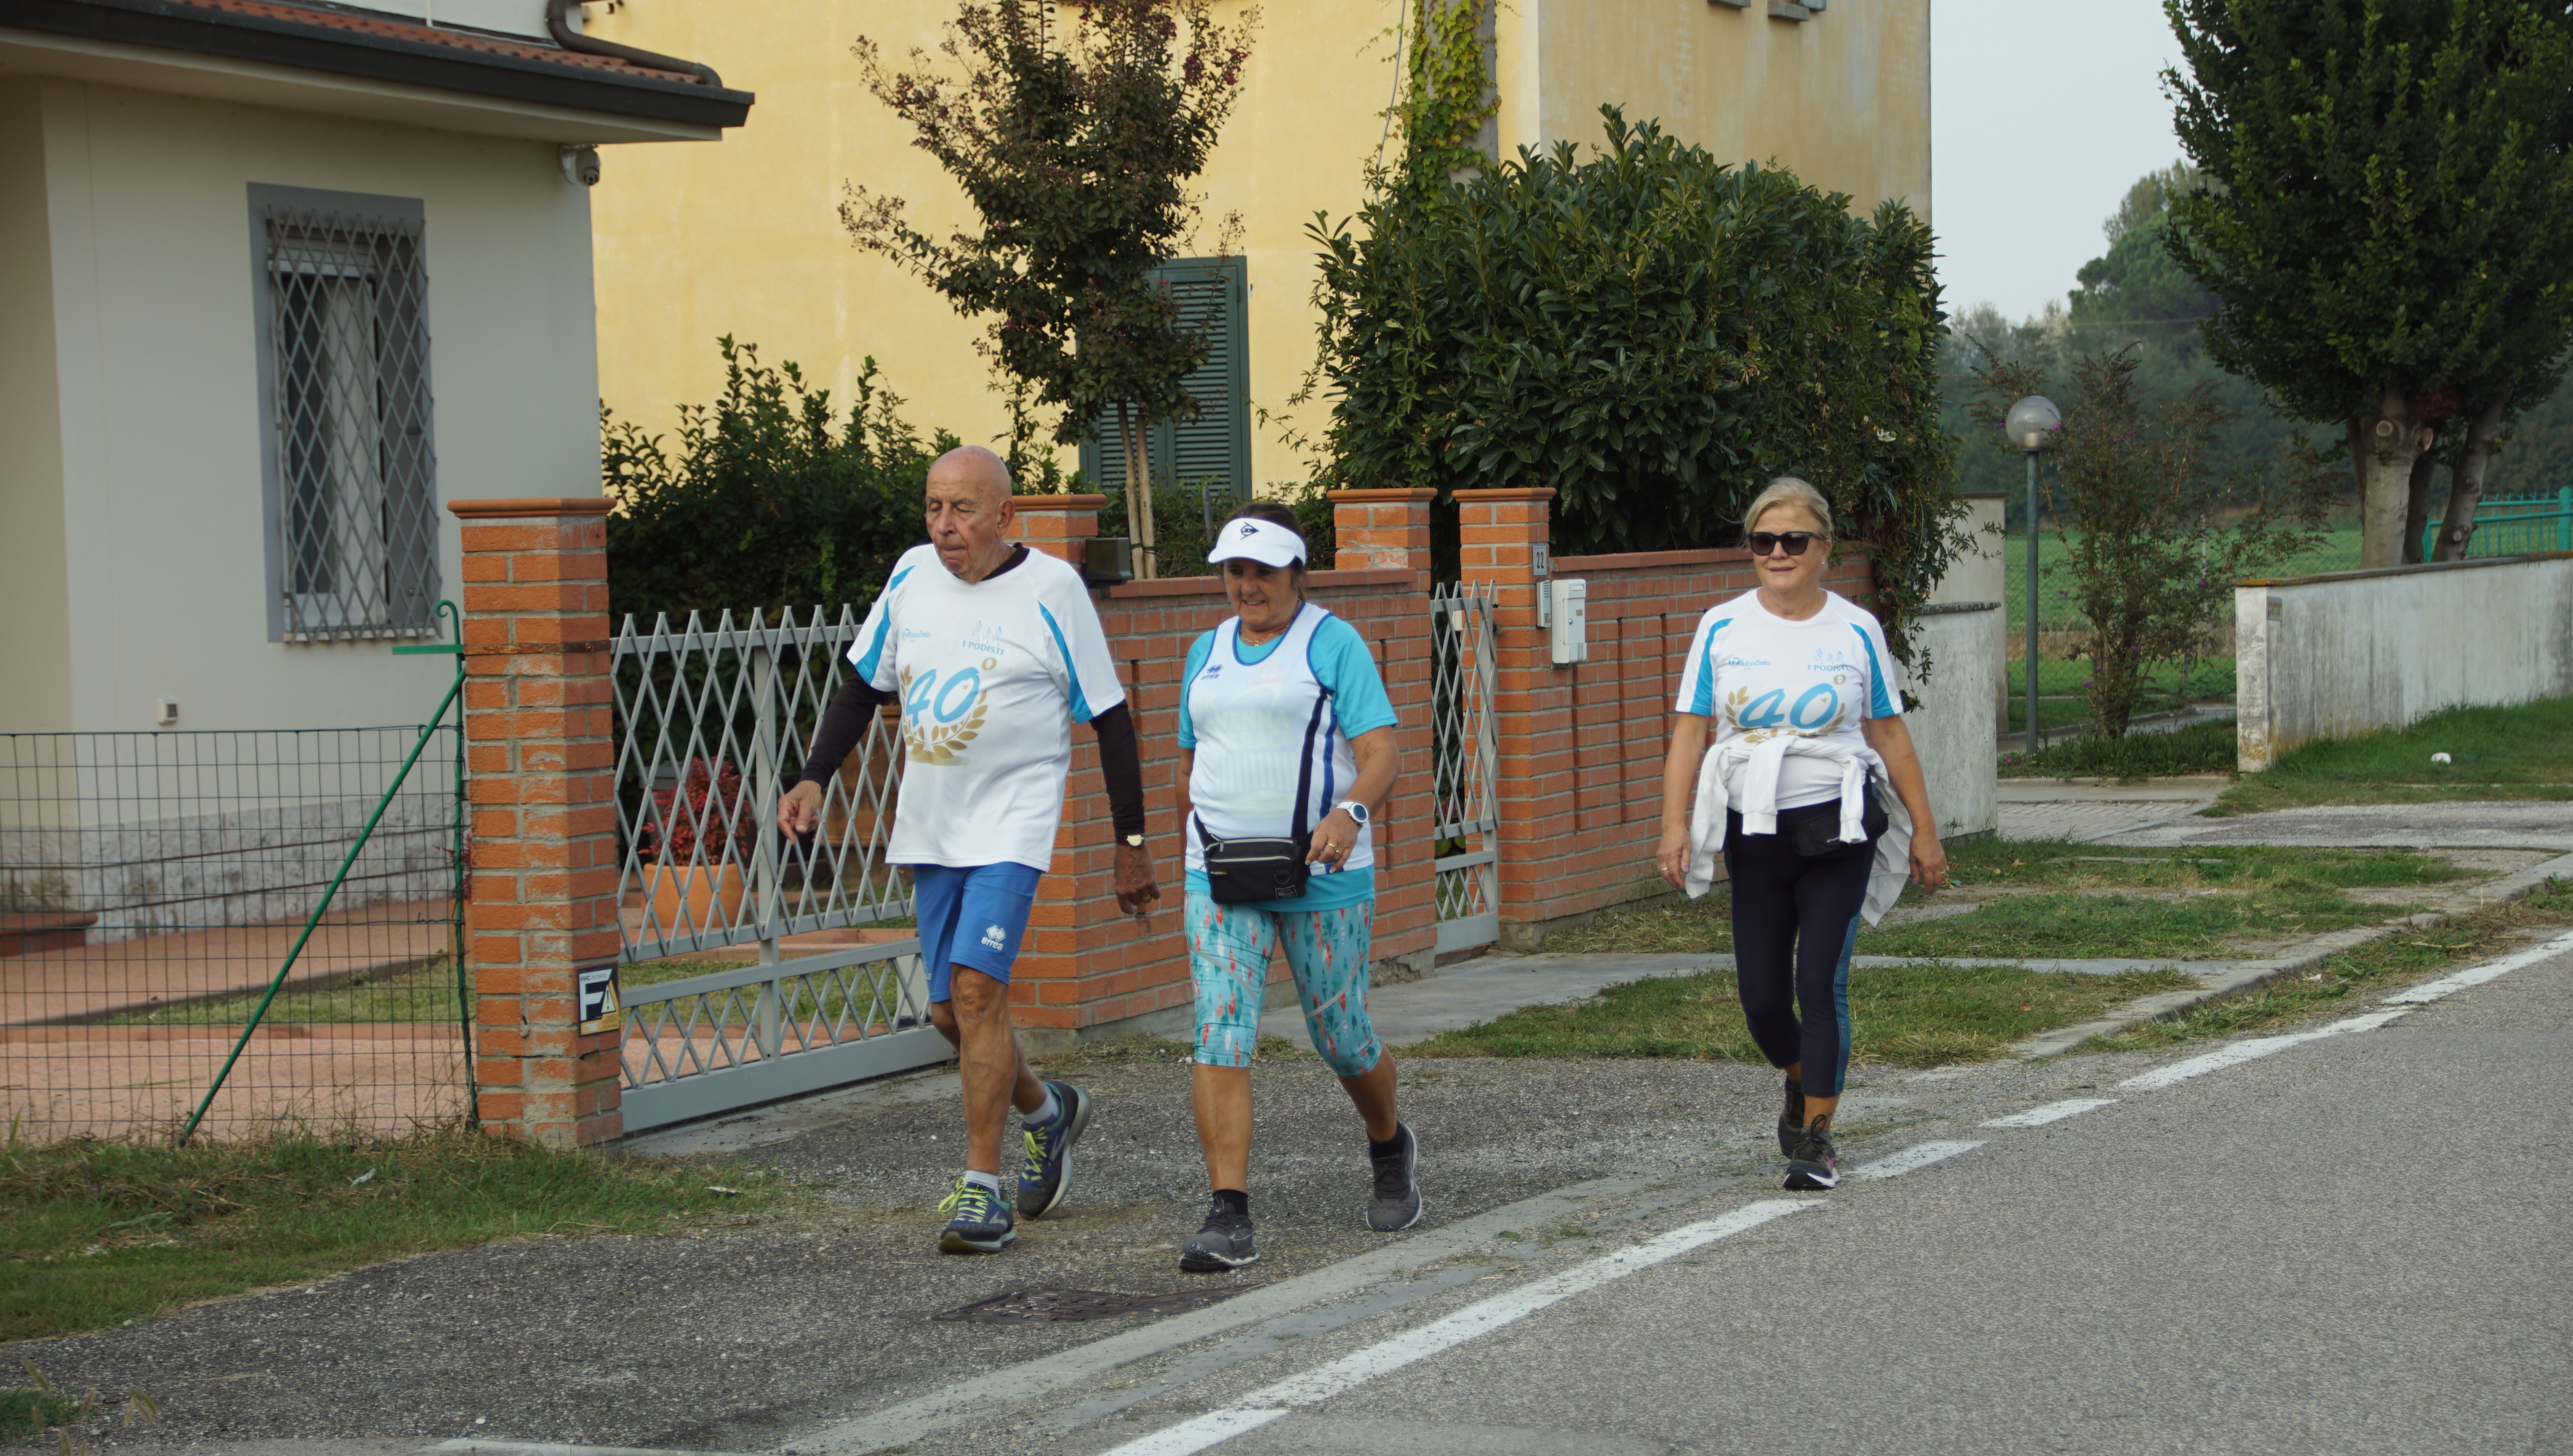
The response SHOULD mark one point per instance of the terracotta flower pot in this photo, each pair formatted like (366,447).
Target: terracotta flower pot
(692,898)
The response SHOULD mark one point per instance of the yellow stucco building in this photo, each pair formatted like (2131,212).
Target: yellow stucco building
(744,239)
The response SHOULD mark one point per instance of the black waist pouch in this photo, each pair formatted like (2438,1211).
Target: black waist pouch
(1251,871)
(1813,834)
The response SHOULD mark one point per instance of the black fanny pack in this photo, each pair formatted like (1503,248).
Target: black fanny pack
(1250,871)
(1815,834)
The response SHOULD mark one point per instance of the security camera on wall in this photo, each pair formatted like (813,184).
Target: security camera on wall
(579,164)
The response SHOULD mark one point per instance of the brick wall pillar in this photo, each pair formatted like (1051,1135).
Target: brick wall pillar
(1531,699)
(1379,529)
(1058,526)
(541,792)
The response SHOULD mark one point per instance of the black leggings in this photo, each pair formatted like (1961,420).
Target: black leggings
(1794,921)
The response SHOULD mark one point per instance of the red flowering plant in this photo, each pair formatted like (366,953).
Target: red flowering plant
(691,822)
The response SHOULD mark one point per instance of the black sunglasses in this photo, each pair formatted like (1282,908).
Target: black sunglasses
(1793,542)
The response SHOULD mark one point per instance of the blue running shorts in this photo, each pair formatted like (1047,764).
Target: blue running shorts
(972,916)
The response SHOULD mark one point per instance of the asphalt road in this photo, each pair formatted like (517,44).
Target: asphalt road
(2355,1243)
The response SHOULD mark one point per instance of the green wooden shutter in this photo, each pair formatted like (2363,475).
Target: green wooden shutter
(1212,294)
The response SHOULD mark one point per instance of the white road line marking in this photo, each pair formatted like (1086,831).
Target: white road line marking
(1195,1435)
(2430,991)
(1324,1381)
(2052,1113)
(1919,1154)
(2252,1051)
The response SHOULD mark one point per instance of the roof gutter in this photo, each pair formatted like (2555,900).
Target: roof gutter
(559,24)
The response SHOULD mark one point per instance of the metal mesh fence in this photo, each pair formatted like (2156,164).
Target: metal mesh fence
(756,966)
(1462,752)
(152,885)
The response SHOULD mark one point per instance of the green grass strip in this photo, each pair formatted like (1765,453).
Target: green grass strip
(2382,965)
(2517,752)
(1908,1015)
(93,1233)
(2199,748)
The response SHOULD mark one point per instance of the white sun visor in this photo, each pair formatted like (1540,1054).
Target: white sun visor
(1263,542)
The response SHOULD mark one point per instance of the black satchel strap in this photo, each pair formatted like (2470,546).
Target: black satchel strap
(1305,768)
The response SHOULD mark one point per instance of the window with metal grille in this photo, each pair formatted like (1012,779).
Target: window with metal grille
(343,381)
(1212,450)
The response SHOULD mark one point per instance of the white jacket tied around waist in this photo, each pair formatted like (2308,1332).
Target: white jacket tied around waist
(1741,775)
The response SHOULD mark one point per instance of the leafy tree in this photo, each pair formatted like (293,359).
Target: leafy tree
(2136,285)
(2155,534)
(1653,334)
(2388,222)
(1078,160)
(765,500)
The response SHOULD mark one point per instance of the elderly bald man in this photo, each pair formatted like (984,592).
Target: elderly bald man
(995,651)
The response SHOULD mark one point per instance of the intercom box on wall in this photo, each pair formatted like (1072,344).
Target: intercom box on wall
(1569,628)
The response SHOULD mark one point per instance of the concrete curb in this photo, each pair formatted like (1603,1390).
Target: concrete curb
(2250,975)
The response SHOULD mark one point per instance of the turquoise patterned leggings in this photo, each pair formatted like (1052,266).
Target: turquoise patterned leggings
(1229,951)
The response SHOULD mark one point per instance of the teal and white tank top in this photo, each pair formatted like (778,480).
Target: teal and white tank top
(1243,711)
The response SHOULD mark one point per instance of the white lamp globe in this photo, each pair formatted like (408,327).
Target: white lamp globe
(2032,423)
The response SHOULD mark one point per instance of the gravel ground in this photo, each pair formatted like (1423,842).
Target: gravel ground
(730,1339)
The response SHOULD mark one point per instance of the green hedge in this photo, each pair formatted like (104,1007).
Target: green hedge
(1656,336)
(764,499)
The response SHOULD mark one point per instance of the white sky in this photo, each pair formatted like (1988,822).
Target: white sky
(2042,115)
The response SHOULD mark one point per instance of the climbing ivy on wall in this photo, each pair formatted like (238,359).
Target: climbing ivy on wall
(1448,93)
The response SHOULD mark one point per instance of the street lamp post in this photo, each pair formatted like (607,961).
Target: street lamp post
(2031,426)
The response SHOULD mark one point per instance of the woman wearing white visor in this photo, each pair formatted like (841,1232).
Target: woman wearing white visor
(1286,754)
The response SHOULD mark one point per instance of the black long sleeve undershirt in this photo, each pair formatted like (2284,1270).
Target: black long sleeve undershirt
(1121,761)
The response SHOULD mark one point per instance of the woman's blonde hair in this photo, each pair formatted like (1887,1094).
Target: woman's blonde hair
(1788,490)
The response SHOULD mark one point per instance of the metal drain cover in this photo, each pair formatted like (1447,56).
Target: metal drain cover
(1031,1306)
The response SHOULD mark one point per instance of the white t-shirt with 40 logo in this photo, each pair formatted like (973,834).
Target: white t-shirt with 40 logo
(991,675)
(1751,673)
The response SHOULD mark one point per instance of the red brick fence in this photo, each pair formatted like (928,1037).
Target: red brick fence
(1578,761)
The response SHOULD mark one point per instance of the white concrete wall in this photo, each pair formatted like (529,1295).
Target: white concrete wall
(1953,728)
(1980,574)
(154,327)
(2352,652)
(35,600)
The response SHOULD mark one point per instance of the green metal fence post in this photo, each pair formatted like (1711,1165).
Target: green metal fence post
(2564,518)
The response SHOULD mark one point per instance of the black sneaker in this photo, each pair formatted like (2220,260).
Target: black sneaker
(1791,1119)
(1222,1242)
(982,1222)
(1395,1204)
(1814,1165)
(1046,1174)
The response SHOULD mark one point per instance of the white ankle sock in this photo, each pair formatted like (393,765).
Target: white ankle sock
(989,1181)
(1043,1116)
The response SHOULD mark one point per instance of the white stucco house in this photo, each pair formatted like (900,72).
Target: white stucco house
(278,279)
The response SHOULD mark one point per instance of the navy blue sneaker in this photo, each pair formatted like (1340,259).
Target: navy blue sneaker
(1047,1176)
(982,1222)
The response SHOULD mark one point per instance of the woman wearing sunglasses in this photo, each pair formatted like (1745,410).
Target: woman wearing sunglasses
(1807,718)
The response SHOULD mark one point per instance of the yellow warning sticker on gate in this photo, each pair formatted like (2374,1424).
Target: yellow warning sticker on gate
(601,1010)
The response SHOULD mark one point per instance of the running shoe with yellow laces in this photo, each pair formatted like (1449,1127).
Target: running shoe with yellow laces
(1046,1174)
(982,1222)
